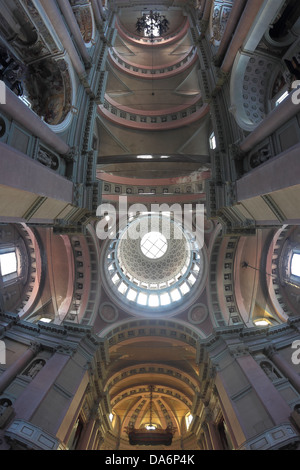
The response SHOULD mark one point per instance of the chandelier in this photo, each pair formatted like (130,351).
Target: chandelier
(152,24)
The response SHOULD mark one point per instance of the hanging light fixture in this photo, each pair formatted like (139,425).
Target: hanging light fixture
(150,435)
(152,24)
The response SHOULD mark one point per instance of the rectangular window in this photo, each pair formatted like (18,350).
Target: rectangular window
(295,265)
(213,141)
(8,263)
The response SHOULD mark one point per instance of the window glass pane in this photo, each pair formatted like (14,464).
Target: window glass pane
(142,299)
(8,263)
(153,301)
(165,299)
(132,295)
(212,141)
(295,267)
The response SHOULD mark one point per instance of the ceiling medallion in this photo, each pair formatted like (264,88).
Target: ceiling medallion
(152,24)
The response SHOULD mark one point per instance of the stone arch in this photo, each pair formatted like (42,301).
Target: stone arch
(249,88)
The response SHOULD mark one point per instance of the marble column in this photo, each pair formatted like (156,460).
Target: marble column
(285,368)
(246,22)
(233,19)
(55,17)
(97,13)
(74,28)
(17,110)
(17,367)
(274,404)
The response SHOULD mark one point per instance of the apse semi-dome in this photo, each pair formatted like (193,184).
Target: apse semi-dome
(154,267)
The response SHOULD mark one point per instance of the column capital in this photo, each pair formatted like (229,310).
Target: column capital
(35,346)
(270,350)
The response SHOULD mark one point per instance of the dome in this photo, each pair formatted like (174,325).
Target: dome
(153,266)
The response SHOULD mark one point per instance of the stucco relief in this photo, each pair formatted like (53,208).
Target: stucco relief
(219,17)
(83,15)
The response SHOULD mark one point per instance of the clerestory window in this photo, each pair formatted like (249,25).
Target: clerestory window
(8,265)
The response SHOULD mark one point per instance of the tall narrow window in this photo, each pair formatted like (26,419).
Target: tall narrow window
(188,420)
(212,141)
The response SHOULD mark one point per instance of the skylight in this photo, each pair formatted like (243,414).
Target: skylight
(154,245)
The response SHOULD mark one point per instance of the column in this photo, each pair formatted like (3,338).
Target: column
(246,22)
(207,10)
(285,111)
(207,437)
(86,436)
(94,437)
(36,391)
(201,9)
(276,407)
(74,28)
(97,13)
(234,17)
(54,16)
(102,13)
(17,110)
(277,173)
(285,368)
(214,436)
(16,368)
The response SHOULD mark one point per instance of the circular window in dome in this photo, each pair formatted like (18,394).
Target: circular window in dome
(154,266)
(154,245)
